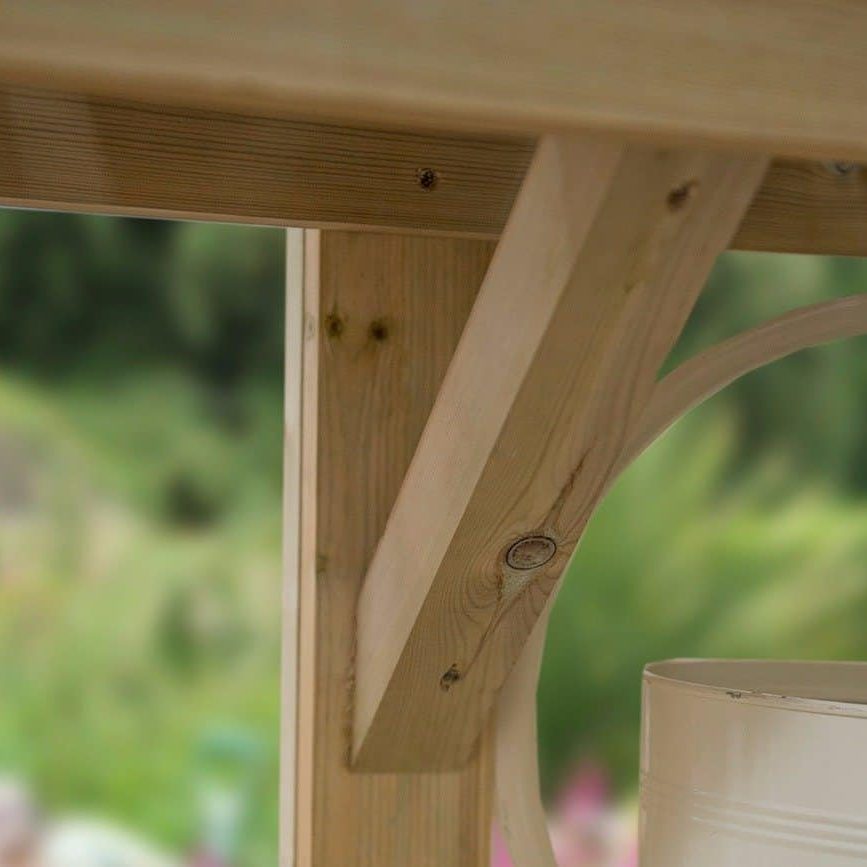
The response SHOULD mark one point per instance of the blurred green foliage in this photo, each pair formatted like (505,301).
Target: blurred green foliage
(140,443)
(140,472)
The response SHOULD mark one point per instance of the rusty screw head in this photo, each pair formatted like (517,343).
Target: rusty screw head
(531,552)
(427,178)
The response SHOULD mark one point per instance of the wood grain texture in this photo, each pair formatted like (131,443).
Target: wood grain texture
(780,77)
(595,274)
(808,207)
(69,152)
(382,317)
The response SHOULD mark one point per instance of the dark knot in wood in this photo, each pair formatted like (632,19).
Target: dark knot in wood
(451,677)
(531,552)
(680,195)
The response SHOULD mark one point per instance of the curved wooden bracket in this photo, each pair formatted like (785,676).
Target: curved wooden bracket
(517,800)
(710,371)
(519,809)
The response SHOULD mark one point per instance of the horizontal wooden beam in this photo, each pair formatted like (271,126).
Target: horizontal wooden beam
(68,152)
(808,207)
(775,77)
(598,267)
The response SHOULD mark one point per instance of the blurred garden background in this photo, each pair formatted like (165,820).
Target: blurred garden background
(140,472)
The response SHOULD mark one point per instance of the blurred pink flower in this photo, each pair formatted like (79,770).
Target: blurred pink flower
(586,793)
(206,859)
(587,828)
(499,853)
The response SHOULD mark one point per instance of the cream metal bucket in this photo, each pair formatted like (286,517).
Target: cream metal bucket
(754,764)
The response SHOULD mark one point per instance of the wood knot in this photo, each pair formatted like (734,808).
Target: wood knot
(451,677)
(531,552)
(334,325)
(379,330)
(680,195)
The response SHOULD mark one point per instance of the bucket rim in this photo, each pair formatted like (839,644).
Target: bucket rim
(809,686)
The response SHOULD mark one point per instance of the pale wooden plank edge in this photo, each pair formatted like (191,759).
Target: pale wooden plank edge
(301,847)
(292,414)
(68,152)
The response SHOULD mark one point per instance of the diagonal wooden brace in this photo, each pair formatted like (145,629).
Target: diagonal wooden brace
(597,270)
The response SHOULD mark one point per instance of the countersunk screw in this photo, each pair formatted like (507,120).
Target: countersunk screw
(427,178)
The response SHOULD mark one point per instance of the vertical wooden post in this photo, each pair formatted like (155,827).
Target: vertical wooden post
(371,329)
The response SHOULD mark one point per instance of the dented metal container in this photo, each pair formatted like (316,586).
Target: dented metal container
(754,764)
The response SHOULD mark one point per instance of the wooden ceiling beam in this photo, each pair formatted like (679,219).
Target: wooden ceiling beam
(72,153)
(69,152)
(768,76)
(603,256)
